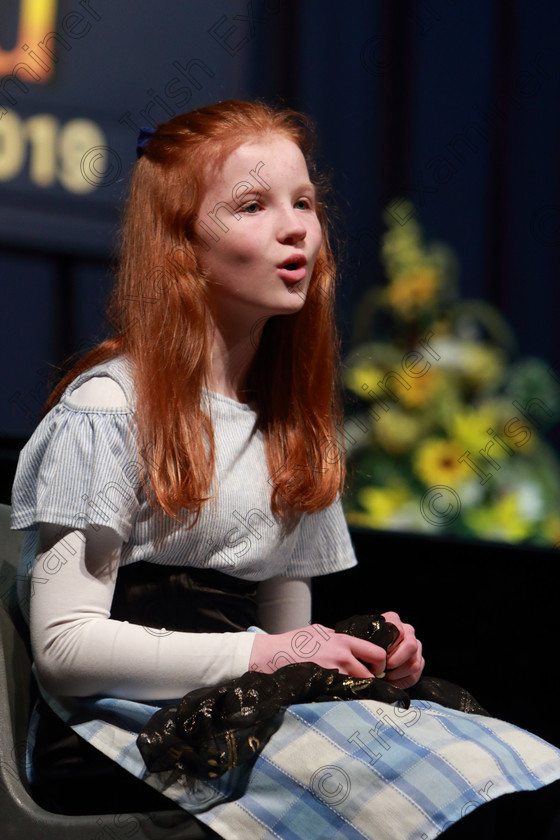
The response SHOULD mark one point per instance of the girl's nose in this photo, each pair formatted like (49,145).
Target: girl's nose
(291,228)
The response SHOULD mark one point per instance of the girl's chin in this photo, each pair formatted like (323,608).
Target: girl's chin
(287,303)
(289,310)
(295,298)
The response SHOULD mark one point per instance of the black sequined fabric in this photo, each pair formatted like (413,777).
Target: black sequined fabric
(212,730)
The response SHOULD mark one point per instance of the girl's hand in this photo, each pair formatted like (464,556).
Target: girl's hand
(405,662)
(321,645)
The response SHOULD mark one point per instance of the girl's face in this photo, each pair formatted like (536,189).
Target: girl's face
(261,206)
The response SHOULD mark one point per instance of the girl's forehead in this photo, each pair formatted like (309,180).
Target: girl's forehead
(275,152)
(265,140)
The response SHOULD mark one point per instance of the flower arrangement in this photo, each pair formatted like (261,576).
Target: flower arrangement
(445,428)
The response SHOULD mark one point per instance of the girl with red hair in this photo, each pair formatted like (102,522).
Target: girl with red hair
(184,486)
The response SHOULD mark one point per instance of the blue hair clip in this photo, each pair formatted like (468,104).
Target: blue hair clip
(144,135)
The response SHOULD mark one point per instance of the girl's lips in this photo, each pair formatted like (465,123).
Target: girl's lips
(293,276)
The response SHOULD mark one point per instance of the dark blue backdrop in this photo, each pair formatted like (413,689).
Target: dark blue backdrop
(452,104)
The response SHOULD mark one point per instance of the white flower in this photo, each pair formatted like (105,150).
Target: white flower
(530,500)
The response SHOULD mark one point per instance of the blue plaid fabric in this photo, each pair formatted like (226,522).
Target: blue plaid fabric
(355,770)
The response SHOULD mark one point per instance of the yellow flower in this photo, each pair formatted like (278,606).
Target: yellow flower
(357,376)
(483,366)
(395,431)
(470,429)
(501,521)
(411,290)
(509,432)
(421,389)
(381,503)
(360,519)
(436,461)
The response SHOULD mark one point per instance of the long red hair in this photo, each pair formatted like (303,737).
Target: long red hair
(160,315)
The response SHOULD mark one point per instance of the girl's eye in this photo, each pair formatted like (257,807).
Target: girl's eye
(303,204)
(251,208)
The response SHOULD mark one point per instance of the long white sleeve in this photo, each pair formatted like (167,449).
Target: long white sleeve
(79,650)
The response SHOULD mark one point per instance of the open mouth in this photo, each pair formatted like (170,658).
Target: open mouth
(293,269)
(292,272)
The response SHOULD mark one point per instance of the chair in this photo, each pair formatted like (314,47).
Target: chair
(21,815)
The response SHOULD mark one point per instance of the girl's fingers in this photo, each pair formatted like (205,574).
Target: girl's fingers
(403,663)
(406,650)
(407,670)
(405,683)
(410,671)
(367,652)
(394,618)
(358,669)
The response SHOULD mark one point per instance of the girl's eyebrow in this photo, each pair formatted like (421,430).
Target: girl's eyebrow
(307,186)
(249,192)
